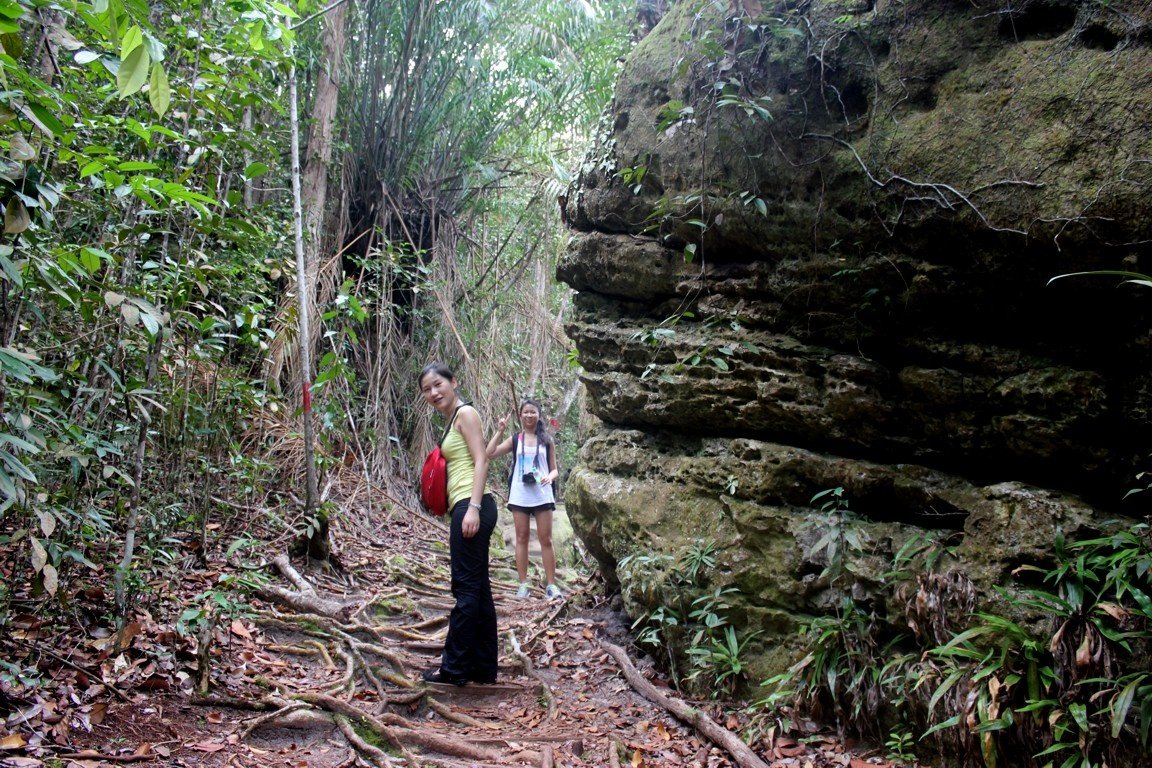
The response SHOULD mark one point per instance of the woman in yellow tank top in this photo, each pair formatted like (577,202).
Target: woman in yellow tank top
(471,649)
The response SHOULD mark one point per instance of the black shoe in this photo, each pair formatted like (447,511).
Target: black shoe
(436,676)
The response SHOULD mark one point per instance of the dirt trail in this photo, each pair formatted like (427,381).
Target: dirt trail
(334,680)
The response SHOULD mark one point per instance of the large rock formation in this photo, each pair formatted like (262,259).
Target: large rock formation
(812,251)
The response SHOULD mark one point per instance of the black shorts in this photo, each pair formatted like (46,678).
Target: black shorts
(532,510)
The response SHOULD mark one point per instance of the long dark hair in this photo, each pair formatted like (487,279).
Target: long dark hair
(543,436)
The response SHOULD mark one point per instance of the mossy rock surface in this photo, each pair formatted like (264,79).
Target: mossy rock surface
(813,248)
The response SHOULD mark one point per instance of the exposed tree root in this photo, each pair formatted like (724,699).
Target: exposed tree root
(374,753)
(396,729)
(719,735)
(526,662)
(256,722)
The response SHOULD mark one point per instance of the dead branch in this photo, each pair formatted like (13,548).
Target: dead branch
(91,754)
(307,602)
(708,727)
(284,566)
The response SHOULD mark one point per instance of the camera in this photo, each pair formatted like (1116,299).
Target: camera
(529,478)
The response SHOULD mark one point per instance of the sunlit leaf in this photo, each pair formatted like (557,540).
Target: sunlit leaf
(159,92)
(133,71)
(255,170)
(132,39)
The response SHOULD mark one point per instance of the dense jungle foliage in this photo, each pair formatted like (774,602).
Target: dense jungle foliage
(148,313)
(151,383)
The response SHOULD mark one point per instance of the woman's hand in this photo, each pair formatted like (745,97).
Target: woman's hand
(502,424)
(471,522)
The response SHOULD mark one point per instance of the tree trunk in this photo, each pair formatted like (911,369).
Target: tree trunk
(314,198)
(319,149)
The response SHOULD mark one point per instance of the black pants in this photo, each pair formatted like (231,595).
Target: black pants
(471,650)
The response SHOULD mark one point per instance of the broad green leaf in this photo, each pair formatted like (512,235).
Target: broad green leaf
(159,92)
(151,322)
(1121,704)
(90,261)
(113,299)
(1080,714)
(24,366)
(133,72)
(43,119)
(133,38)
(11,271)
(11,10)
(50,193)
(99,253)
(255,170)
(136,165)
(17,467)
(85,57)
(8,489)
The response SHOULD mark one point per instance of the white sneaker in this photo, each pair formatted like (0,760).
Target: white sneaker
(552,592)
(522,593)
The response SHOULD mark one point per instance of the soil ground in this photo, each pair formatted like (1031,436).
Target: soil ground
(321,668)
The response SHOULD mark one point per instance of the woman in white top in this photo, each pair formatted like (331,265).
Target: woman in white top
(530,493)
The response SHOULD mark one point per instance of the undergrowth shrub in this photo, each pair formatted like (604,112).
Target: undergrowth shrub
(1060,680)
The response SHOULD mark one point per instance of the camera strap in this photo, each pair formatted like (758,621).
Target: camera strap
(521,454)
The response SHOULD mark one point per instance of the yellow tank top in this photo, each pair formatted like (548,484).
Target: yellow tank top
(461,468)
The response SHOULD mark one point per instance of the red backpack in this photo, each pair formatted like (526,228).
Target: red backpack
(434,475)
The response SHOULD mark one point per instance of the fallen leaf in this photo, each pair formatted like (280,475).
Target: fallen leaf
(637,759)
(240,630)
(733,723)
(12,741)
(215,717)
(207,746)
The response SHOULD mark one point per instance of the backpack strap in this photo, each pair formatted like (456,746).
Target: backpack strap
(451,421)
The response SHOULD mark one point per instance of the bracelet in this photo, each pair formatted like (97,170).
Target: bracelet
(473,504)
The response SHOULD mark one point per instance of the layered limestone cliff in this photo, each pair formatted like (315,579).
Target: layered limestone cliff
(812,250)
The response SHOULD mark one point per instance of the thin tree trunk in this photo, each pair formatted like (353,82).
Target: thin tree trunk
(313,196)
(133,522)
